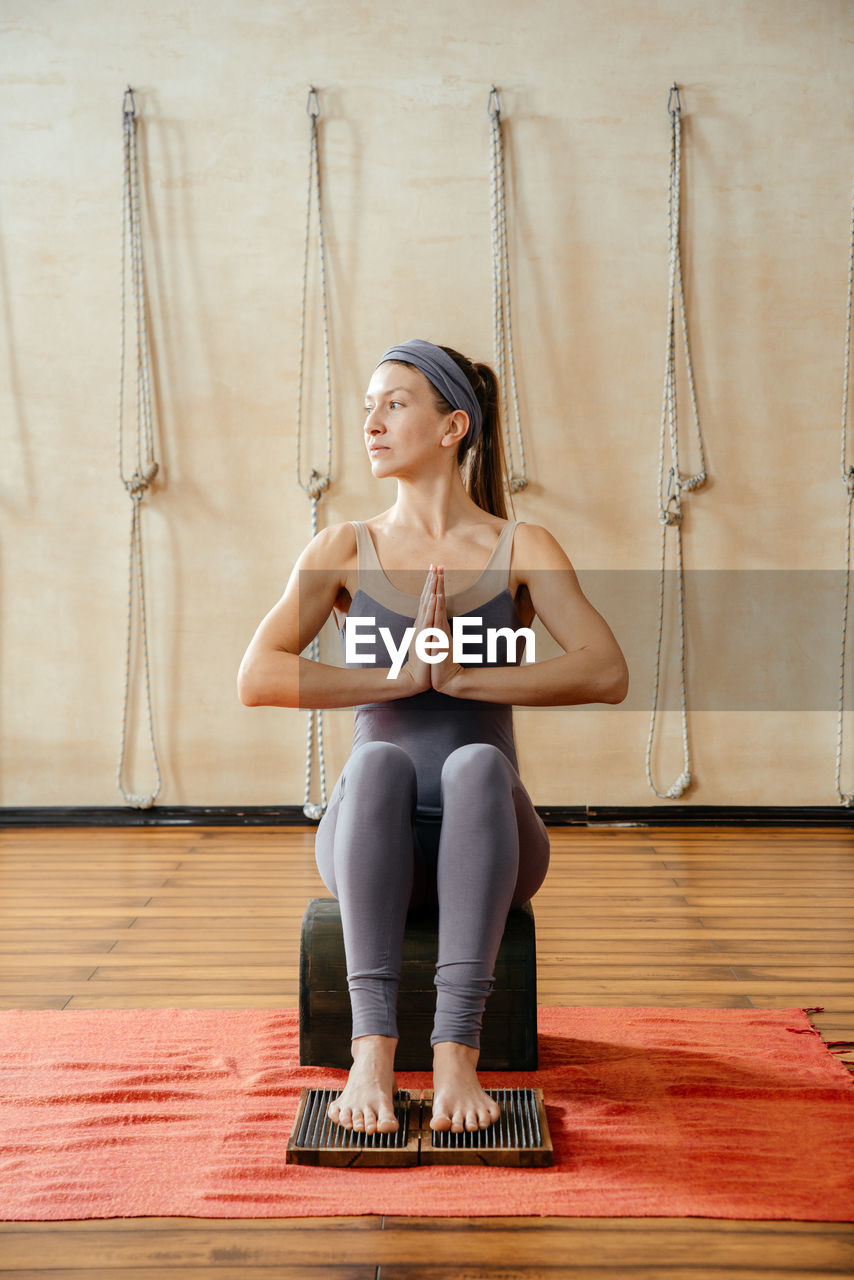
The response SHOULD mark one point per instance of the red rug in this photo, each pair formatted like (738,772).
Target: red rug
(728,1113)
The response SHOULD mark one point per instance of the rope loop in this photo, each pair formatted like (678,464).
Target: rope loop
(670,493)
(313,202)
(846,798)
(140,479)
(318,481)
(502,316)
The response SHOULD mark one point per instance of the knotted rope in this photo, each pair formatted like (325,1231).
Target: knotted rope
(846,797)
(502,316)
(138,482)
(317,483)
(670,495)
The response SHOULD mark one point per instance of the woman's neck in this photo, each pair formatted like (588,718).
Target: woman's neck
(435,506)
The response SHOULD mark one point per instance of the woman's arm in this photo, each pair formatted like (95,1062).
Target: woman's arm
(272,674)
(592,668)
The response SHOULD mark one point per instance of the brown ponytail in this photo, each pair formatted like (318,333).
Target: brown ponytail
(484,466)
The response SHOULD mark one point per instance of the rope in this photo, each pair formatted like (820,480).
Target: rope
(317,482)
(846,797)
(670,496)
(502,320)
(137,482)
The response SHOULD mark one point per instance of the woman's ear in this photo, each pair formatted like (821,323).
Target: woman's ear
(458,425)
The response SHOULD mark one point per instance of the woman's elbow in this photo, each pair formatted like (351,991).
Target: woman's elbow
(610,677)
(249,686)
(268,678)
(617,685)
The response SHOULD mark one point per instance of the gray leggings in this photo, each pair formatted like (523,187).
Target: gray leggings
(380,858)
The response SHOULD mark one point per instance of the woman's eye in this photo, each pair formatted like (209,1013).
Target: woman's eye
(392,404)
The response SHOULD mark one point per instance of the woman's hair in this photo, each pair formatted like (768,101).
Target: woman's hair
(483,465)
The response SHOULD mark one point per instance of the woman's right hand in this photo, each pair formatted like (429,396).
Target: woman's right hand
(415,675)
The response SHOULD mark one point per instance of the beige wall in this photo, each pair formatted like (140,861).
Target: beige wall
(221,87)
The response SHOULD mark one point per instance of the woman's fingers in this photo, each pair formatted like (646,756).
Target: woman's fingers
(442,673)
(427,603)
(441,613)
(432,612)
(417,670)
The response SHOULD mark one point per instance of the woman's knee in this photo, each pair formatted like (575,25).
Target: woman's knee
(379,769)
(478,768)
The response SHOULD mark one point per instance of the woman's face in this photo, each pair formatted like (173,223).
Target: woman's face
(404,430)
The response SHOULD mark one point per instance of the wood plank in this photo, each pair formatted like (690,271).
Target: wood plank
(611,1245)
(153,951)
(301,1271)
(17,1001)
(286,998)
(175,989)
(592,1271)
(459,1246)
(176,1244)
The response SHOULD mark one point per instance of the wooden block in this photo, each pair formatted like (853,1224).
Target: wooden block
(317,1141)
(519,1138)
(509,1037)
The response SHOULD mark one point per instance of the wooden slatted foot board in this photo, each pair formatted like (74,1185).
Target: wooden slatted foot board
(519,1138)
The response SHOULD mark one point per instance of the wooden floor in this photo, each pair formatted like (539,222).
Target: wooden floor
(202,917)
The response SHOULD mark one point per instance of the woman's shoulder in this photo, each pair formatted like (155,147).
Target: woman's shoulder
(534,547)
(331,548)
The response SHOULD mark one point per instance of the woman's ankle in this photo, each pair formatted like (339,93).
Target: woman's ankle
(453,1051)
(380,1048)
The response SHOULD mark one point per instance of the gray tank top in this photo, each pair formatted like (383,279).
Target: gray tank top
(430,725)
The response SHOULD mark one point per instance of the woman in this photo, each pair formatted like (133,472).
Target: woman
(430,805)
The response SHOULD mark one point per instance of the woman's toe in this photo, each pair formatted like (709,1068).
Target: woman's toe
(487,1115)
(386,1120)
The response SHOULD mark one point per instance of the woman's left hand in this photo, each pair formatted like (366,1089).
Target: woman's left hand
(446,675)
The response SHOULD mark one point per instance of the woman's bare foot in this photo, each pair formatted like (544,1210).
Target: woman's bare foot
(366,1101)
(459,1102)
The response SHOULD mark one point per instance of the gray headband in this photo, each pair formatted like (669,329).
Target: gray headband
(446,376)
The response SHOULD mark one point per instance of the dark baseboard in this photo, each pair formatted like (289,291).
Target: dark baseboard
(723,815)
(291,815)
(274,815)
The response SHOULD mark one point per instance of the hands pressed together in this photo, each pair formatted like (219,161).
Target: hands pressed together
(432,612)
